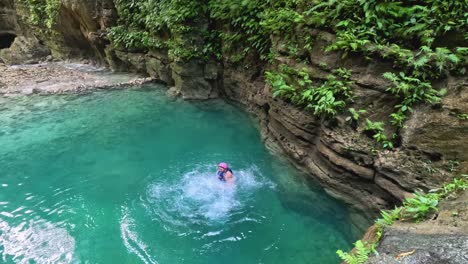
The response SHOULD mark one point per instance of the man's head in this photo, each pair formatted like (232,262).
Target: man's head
(222,166)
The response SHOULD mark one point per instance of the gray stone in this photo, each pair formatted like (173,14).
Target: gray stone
(211,71)
(428,248)
(24,50)
(190,80)
(157,68)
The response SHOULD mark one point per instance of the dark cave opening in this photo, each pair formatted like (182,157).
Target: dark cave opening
(6,39)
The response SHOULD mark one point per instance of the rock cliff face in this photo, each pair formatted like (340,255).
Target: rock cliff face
(9,24)
(17,44)
(82,26)
(342,158)
(339,156)
(78,33)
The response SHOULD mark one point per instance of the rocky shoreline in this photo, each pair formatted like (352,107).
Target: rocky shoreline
(441,239)
(62,78)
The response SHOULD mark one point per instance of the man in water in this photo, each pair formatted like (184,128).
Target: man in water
(225,173)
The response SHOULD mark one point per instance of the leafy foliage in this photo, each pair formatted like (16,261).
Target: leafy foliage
(42,12)
(458,184)
(404,33)
(361,254)
(408,34)
(378,133)
(242,30)
(462,116)
(389,217)
(355,114)
(326,99)
(411,90)
(421,205)
(163,24)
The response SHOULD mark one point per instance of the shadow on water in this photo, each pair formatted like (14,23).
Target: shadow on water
(311,201)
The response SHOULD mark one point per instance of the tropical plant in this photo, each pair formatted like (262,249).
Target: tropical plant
(389,217)
(421,205)
(328,99)
(407,34)
(355,114)
(378,133)
(458,184)
(42,12)
(361,254)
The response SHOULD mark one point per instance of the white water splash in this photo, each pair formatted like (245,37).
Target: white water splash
(200,198)
(131,240)
(37,242)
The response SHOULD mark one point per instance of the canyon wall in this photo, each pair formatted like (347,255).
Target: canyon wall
(340,156)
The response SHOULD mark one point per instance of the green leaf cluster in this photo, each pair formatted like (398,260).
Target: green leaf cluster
(164,24)
(361,254)
(409,34)
(421,205)
(423,40)
(42,12)
(354,114)
(389,217)
(229,30)
(328,98)
(411,91)
(378,133)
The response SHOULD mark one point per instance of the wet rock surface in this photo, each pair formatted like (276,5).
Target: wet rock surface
(428,249)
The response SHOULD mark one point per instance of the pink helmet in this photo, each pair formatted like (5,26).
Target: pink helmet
(223,165)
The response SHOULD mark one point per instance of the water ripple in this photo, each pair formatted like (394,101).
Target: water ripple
(35,241)
(131,240)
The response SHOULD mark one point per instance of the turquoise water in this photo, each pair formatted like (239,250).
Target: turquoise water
(129,177)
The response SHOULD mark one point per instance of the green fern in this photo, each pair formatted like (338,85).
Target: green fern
(361,254)
(327,99)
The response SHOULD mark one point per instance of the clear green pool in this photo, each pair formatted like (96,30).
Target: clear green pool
(128,176)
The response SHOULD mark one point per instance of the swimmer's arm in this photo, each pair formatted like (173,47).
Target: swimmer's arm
(229,176)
